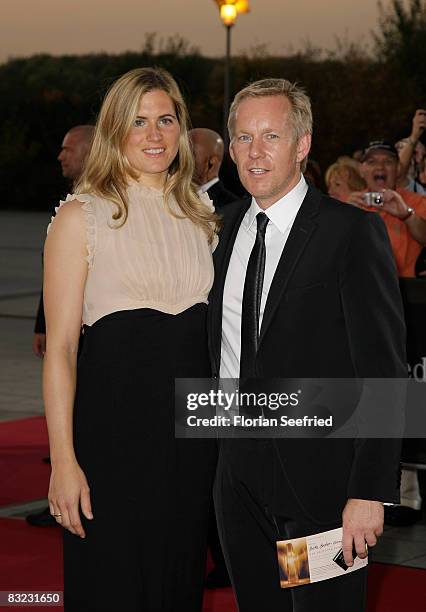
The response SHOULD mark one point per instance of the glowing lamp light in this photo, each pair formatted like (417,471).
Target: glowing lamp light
(229,10)
(228,14)
(242,6)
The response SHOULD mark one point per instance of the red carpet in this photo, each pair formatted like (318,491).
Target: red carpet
(23,475)
(393,588)
(30,559)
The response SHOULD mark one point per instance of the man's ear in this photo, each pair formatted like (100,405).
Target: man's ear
(303,147)
(213,166)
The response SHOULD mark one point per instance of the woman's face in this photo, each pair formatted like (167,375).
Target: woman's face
(338,187)
(153,140)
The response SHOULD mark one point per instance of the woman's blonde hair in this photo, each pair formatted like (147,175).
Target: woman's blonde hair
(107,170)
(347,169)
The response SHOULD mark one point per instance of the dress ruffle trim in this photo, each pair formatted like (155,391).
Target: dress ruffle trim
(204,197)
(87,206)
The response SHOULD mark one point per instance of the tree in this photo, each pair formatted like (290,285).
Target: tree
(401,41)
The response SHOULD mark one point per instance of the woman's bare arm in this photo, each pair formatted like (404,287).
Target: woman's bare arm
(65,273)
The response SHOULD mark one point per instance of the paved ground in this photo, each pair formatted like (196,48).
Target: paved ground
(21,239)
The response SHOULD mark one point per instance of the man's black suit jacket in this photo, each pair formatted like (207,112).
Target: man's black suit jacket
(333,311)
(220,196)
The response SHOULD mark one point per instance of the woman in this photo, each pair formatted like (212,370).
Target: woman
(129,255)
(342,178)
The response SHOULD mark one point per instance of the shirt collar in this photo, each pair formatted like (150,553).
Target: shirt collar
(283,212)
(207,186)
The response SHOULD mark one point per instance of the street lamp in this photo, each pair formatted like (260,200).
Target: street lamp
(229,10)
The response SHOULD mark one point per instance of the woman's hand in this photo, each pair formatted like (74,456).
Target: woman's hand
(68,492)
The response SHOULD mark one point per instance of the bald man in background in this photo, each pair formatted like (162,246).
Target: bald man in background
(208,149)
(74,150)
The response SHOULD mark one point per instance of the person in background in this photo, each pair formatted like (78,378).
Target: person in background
(409,181)
(343,177)
(74,150)
(208,150)
(404,214)
(411,152)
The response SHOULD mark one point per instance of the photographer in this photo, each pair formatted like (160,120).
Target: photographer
(403,212)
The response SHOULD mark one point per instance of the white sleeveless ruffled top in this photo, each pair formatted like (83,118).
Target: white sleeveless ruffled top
(153,261)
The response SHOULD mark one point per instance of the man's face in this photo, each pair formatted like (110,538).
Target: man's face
(263,147)
(72,155)
(380,170)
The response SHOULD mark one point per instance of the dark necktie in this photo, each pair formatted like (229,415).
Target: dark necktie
(252,295)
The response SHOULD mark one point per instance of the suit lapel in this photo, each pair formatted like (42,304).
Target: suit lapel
(230,234)
(300,234)
(221,257)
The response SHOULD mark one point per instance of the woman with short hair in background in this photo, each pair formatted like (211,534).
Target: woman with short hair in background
(342,178)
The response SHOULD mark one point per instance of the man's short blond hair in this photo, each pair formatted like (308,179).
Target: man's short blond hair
(301,111)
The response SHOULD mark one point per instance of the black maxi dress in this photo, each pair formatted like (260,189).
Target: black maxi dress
(145,549)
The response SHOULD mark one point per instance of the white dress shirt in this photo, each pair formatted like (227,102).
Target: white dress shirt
(207,186)
(281,218)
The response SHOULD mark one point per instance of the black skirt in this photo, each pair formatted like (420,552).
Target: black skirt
(145,548)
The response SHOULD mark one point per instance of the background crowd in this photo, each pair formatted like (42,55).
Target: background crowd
(358,92)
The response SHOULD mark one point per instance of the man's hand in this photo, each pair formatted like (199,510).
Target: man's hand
(362,523)
(394,204)
(39,344)
(419,124)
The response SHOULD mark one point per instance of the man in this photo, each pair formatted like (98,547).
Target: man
(208,156)
(329,308)
(404,214)
(74,150)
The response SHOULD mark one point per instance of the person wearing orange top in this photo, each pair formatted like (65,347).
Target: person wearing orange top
(403,212)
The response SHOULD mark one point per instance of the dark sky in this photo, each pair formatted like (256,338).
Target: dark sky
(81,26)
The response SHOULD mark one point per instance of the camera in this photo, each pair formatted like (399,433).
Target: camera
(374,198)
